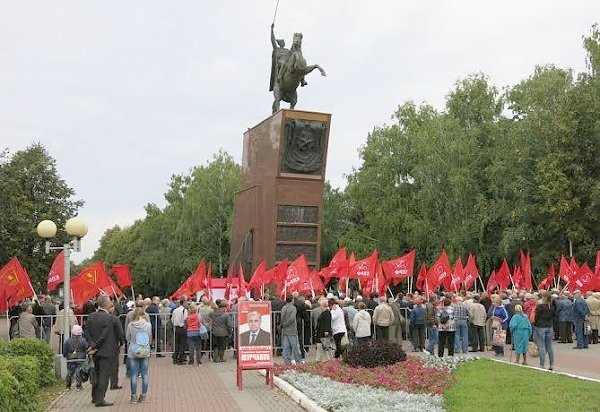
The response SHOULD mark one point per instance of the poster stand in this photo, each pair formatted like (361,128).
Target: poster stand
(254,340)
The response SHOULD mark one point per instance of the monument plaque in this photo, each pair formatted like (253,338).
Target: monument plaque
(278,209)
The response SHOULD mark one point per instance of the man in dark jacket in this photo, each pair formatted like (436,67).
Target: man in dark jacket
(104,333)
(581,313)
(154,312)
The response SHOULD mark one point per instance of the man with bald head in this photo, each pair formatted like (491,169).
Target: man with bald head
(105,334)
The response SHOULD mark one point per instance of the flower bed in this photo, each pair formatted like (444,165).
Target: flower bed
(336,396)
(412,376)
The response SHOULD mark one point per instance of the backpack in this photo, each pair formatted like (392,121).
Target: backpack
(444,317)
(141,347)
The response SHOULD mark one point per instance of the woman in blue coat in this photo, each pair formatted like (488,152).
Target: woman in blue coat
(520,329)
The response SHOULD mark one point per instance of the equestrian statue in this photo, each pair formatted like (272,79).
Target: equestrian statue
(288,68)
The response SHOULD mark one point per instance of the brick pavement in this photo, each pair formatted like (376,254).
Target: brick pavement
(210,386)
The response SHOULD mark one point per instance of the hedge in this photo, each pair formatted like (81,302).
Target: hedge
(25,371)
(40,350)
(9,387)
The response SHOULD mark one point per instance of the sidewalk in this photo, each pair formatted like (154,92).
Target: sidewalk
(210,386)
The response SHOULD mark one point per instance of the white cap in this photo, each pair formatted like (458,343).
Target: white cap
(347,299)
(359,297)
(329,296)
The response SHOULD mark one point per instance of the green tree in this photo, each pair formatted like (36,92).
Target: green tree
(32,190)
(168,243)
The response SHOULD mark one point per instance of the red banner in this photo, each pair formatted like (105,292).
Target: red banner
(15,282)
(122,274)
(56,276)
(255,335)
(401,267)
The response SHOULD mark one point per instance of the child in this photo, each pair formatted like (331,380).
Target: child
(74,350)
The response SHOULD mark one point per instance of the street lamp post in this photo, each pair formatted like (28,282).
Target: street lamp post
(76,229)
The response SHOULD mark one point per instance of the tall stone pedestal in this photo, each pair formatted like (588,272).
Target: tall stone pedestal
(278,209)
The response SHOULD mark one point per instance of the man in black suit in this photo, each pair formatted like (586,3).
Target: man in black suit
(104,332)
(255,336)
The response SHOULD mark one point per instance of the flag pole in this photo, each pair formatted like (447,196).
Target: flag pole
(482,285)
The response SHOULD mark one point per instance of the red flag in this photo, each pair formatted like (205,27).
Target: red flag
(338,266)
(89,282)
(456,280)
(492,283)
(583,279)
(122,274)
(517,277)
(277,273)
(56,276)
(229,282)
(197,280)
(15,282)
(438,272)
(364,269)
(549,280)
(526,273)
(297,273)
(312,284)
(597,266)
(421,277)
(401,267)
(257,279)
(563,270)
(112,290)
(381,282)
(503,275)
(242,287)
(471,273)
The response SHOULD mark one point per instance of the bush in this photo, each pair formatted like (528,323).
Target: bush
(9,387)
(25,371)
(374,353)
(40,350)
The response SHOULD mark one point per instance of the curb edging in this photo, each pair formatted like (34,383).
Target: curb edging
(297,396)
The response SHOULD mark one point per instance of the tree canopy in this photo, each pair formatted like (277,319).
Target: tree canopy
(168,243)
(31,191)
(492,173)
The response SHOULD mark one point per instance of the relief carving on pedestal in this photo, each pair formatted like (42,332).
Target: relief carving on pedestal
(304,147)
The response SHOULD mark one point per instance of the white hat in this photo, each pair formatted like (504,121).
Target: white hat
(329,296)
(130,304)
(359,297)
(347,299)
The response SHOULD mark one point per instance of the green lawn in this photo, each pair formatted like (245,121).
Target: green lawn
(486,385)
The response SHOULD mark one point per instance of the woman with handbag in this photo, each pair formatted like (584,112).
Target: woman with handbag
(499,315)
(193,324)
(520,329)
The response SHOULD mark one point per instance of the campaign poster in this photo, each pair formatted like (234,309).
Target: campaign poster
(255,337)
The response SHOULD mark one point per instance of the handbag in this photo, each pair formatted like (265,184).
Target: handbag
(587,327)
(85,369)
(203,332)
(533,350)
(345,341)
(499,337)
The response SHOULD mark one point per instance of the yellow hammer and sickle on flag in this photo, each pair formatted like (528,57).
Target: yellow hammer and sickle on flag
(90,277)
(12,279)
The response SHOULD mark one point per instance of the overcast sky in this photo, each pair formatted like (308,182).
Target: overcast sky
(124,94)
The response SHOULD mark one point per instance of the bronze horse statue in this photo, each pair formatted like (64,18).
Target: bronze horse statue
(288,70)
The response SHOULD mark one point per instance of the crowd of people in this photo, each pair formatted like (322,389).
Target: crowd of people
(455,323)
